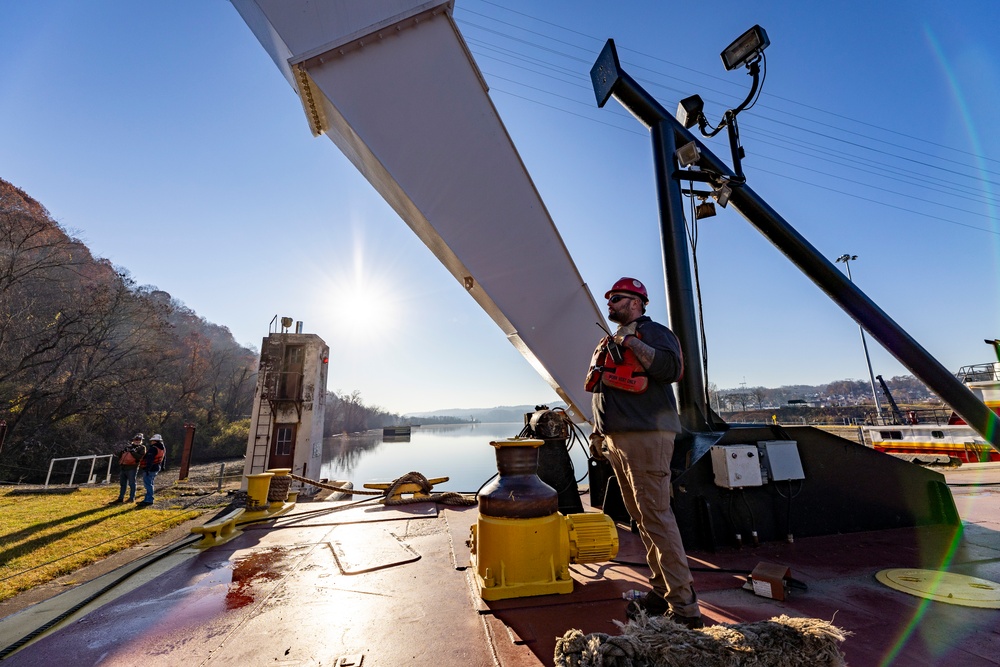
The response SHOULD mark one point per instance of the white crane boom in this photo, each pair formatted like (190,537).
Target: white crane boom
(394,85)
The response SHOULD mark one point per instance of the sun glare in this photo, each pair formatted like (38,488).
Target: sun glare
(369,286)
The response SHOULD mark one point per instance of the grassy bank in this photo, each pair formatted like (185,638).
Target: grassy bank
(48,533)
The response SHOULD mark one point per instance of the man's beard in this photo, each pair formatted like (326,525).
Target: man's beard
(618,317)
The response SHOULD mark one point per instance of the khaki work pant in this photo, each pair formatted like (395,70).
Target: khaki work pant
(641,461)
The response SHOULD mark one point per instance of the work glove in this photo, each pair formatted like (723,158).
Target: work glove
(624,330)
(597,446)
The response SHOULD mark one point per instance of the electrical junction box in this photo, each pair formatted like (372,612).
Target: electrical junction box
(736,466)
(781,459)
(768,580)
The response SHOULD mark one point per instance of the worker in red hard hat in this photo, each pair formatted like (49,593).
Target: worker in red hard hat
(628,286)
(635,414)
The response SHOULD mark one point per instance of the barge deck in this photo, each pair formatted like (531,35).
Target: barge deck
(339,583)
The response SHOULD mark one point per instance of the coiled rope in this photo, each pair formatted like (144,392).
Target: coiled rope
(390,494)
(278,491)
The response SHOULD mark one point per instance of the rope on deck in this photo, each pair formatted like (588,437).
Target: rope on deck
(278,491)
(332,487)
(780,642)
(391,495)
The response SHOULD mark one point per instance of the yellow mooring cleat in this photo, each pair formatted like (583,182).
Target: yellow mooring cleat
(415,488)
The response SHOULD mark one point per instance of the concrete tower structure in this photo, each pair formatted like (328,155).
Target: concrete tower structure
(286,426)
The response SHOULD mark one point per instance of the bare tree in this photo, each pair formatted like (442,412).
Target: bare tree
(31,245)
(86,356)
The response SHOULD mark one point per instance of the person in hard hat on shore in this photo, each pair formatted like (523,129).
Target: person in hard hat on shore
(636,413)
(152,463)
(128,464)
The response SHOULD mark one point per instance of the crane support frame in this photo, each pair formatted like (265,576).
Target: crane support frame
(611,81)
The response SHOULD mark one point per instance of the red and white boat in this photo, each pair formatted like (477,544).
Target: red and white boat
(935,433)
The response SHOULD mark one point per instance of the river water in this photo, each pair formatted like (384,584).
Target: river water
(461,452)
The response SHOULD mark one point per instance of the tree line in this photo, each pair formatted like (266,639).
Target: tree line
(840,393)
(88,357)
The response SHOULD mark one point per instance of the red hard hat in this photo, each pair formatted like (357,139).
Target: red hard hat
(630,285)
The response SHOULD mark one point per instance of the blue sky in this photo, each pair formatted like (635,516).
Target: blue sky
(162,135)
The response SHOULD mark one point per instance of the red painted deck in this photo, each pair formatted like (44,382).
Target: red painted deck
(327,584)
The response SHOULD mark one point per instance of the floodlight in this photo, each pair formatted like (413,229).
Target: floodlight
(690,110)
(704,210)
(286,322)
(722,195)
(746,47)
(688,154)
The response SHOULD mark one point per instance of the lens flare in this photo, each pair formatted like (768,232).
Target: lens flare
(975,144)
(913,625)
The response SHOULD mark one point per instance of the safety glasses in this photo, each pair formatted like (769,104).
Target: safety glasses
(619,297)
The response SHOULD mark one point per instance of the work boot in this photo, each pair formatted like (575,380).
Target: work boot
(115,502)
(689,622)
(652,603)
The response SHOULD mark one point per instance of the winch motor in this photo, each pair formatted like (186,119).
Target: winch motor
(521,544)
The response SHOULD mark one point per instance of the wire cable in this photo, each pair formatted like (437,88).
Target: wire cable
(549,47)
(729,82)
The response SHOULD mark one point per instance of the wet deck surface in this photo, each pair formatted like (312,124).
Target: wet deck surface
(329,584)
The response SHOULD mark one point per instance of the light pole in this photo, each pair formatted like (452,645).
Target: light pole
(846,259)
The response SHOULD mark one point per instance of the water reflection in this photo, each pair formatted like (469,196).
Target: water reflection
(460,452)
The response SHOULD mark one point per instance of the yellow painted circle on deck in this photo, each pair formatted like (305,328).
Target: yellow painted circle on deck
(943,587)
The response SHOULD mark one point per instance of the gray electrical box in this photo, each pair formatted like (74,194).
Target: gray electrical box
(781,459)
(736,466)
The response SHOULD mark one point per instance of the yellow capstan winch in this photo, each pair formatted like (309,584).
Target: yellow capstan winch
(521,544)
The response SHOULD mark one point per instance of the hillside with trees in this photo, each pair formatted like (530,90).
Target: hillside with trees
(839,402)
(88,357)
(905,389)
